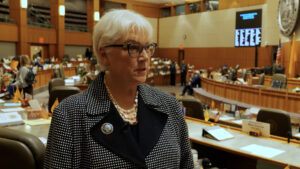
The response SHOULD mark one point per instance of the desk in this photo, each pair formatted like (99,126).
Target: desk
(254,96)
(289,157)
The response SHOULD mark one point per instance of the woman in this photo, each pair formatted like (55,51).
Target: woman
(21,76)
(119,122)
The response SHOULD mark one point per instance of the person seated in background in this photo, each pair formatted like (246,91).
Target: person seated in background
(195,81)
(21,75)
(37,62)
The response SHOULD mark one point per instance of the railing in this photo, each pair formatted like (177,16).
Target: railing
(6,19)
(76,29)
(40,25)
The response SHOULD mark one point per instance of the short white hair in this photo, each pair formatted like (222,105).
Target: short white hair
(116,25)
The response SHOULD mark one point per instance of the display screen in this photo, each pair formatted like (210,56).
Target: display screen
(248,28)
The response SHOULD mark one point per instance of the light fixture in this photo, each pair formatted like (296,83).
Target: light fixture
(96,16)
(61,10)
(23,3)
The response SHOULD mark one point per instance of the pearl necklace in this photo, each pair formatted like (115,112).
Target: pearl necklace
(129,115)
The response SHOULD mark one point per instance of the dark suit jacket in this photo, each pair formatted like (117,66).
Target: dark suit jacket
(76,141)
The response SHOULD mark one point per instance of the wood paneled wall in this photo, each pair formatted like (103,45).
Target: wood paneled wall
(9,32)
(203,58)
(78,38)
(147,9)
(226,4)
(34,34)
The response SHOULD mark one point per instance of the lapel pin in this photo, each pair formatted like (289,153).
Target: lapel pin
(107,128)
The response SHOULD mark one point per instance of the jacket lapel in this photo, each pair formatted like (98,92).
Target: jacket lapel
(151,125)
(120,141)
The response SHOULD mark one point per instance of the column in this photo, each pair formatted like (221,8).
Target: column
(59,22)
(19,14)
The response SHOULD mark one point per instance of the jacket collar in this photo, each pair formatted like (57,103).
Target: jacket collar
(98,101)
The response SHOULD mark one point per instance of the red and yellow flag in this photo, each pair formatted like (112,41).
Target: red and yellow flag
(293,57)
(56,103)
(206,115)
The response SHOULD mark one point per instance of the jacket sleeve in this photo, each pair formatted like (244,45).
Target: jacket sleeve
(59,143)
(185,146)
(20,81)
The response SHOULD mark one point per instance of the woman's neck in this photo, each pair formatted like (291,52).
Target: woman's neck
(123,93)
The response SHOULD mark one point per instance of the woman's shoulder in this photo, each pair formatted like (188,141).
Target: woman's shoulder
(73,101)
(162,95)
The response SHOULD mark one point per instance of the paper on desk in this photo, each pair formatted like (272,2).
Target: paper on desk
(226,118)
(253,110)
(12,109)
(220,133)
(36,122)
(34,104)
(12,104)
(264,151)
(2,101)
(297,135)
(238,121)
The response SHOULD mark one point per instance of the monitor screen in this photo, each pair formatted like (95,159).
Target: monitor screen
(248,28)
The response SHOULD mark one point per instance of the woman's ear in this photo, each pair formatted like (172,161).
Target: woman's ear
(103,56)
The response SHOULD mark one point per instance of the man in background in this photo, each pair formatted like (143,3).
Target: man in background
(183,72)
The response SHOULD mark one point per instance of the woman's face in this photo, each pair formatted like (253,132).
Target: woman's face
(124,67)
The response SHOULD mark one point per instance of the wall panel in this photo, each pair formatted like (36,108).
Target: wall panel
(9,32)
(203,58)
(34,35)
(78,38)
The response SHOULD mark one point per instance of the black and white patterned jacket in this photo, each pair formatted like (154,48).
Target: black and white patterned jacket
(76,141)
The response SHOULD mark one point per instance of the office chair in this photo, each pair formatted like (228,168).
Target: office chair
(61,92)
(268,70)
(244,75)
(55,82)
(20,150)
(62,72)
(280,70)
(194,108)
(29,90)
(279,121)
(278,81)
(261,79)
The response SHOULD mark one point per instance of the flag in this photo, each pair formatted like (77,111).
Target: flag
(278,53)
(212,106)
(17,96)
(56,103)
(293,57)
(206,115)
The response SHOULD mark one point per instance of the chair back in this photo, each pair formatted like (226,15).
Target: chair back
(278,81)
(55,82)
(61,92)
(194,108)
(279,121)
(62,72)
(20,150)
(261,79)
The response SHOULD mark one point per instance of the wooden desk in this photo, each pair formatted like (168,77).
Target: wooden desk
(233,146)
(291,83)
(43,77)
(256,96)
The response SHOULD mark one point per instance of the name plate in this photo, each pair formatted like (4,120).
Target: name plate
(250,125)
